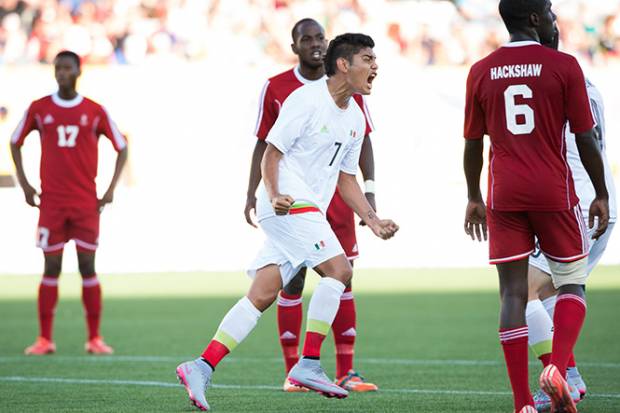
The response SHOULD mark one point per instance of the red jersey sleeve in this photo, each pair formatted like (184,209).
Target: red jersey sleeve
(361,102)
(25,126)
(576,101)
(475,126)
(268,111)
(108,128)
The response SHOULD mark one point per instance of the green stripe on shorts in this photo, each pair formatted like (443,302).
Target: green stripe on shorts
(317,326)
(226,340)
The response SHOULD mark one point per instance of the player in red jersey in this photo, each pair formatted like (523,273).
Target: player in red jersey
(309,45)
(69,126)
(522,95)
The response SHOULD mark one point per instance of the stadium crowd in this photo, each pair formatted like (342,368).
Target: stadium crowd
(428,32)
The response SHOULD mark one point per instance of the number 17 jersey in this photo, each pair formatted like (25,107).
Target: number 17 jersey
(69,131)
(522,95)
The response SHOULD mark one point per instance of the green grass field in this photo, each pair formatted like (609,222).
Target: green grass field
(428,338)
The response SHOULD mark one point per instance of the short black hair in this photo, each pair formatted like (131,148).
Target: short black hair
(300,23)
(345,45)
(515,13)
(71,55)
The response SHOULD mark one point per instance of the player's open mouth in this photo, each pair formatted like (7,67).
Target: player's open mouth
(317,55)
(370,79)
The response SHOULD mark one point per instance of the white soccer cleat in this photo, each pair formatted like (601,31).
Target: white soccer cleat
(195,375)
(309,373)
(575,380)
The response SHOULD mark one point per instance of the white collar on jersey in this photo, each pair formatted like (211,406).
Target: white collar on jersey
(303,79)
(67,103)
(522,43)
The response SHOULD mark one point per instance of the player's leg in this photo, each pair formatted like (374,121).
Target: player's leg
(51,238)
(511,241)
(336,272)
(289,315)
(563,239)
(540,324)
(234,328)
(83,228)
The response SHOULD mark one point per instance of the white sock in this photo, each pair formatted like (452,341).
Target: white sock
(237,323)
(324,305)
(549,304)
(540,327)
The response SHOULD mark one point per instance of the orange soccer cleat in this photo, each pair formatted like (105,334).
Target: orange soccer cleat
(40,347)
(96,345)
(552,383)
(352,381)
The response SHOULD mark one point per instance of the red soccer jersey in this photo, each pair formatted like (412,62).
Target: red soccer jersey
(522,95)
(275,92)
(69,132)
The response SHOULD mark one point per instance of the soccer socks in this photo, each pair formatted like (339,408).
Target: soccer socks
(321,313)
(48,297)
(540,327)
(289,326)
(344,333)
(549,304)
(514,344)
(234,328)
(570,313)
(91,298)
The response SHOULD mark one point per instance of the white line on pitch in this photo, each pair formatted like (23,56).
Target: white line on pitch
(61,380)
(373,360)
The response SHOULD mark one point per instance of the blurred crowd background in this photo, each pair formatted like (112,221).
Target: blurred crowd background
(428,32)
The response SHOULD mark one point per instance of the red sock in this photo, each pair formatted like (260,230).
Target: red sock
(48,297)
(545,359)
(344,333)
(514,344)
(570,312)
(215,352)
(571,361)
(290,316)
(91,298)
(312,344)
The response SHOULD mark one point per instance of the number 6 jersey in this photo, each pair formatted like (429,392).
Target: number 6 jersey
(69,131)
(522,95)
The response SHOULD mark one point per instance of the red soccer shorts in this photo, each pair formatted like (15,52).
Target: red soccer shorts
(341,219)
(57,225)
(562,234)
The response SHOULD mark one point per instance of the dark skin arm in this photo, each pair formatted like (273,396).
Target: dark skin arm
(255,177)
(108,197)
(367,166)
(475,214)
(29,192)
(592,162)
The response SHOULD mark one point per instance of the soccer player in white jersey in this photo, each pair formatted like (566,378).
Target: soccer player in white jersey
(313,147)
(542,294)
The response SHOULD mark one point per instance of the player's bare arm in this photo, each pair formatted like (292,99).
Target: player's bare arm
(475,213)
(121,159)
(352,194)
(255,177)
(29,191)
(367,166)
(590,156)
(269,167)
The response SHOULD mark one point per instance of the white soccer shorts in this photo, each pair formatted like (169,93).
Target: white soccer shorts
(296,241)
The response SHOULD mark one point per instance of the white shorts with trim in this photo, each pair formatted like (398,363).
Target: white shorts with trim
(597,248)
(296,241)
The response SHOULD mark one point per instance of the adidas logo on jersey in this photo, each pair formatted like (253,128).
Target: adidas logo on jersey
(287,335)
(350,333)
(48,119)
(324,129)
(84,120)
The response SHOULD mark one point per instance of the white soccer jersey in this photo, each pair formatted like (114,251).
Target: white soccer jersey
(318,140)
(583,185)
